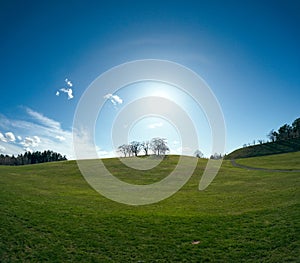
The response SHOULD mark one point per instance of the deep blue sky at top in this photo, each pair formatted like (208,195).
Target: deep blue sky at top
(247,51)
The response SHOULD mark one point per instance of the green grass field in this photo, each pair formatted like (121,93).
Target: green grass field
(283,161)
(49,213)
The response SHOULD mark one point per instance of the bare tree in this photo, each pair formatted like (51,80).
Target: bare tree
(135,147)
(216,156)
(145,146)
(198,154)
(159,146)
(123,149)
(129,150)
(272,135)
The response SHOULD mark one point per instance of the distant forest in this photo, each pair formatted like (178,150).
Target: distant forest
(31,158)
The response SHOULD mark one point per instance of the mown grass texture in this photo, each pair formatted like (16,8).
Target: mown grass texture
(49,213)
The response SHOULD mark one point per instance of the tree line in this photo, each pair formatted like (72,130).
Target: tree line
(31,158)
(158,146)
(286,132)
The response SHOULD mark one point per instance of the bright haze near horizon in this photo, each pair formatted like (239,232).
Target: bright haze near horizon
(51,51)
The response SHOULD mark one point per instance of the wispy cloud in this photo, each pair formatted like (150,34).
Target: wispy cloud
(60,138)
(155,125)
(43,120)
(85,147)
(41,133)
(2,149)
(115,99)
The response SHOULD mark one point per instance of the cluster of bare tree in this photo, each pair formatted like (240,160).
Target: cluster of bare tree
(286,132)
(255,143)
(158,146)
(31,158)
(198,154)
(216,156)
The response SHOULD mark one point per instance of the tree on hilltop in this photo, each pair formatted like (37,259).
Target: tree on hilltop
(159,146)
(135,147)
(145,146)
(198,154)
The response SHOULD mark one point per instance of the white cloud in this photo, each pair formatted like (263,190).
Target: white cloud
(33,142)
(29,142)
(2,148)
(60,138)
(84,145)
(69,83)
(36,139)
(12,148)
(115,99)
(69,92)
(2,138)
(86,148)
(27,149)
(42,133)
(10,136)
(184,151)
(155,125)
(45,135)
(101,152)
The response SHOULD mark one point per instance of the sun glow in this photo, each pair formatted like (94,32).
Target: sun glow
(160,89)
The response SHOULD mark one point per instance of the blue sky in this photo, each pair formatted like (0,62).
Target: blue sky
(248,53)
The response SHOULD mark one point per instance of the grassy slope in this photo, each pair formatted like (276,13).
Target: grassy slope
(288,161)
(49,212)
(286,146)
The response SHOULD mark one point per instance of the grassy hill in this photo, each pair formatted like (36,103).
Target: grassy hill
(49,213)
(284,161)
(270,148)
